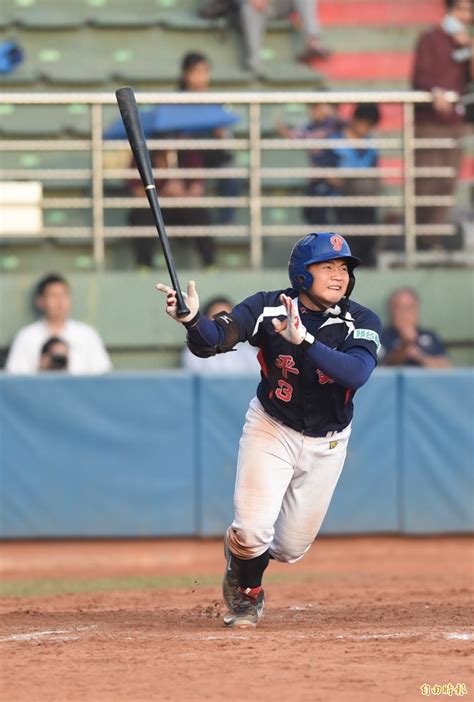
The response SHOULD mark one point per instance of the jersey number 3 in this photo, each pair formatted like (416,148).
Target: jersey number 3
(284,391)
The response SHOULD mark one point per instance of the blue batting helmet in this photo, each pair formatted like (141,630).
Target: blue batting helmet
(314,248)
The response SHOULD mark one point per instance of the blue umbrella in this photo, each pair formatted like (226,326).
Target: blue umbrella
(177,118)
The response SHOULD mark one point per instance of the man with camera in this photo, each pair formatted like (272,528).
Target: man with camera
(56,342)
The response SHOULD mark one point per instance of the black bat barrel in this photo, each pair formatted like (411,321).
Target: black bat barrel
(133,126)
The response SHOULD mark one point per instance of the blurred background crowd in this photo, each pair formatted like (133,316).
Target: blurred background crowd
(76,224)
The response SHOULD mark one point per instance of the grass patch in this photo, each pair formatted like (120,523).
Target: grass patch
(60,586)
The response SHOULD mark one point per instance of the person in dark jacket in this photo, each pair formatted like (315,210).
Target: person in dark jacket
(404,342)
(442,63)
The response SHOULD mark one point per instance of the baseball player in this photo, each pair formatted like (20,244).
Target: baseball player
(317,347)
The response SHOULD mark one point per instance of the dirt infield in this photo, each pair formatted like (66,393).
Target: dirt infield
(359,619)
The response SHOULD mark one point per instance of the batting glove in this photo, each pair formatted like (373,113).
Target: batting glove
(191,299)
(292,328)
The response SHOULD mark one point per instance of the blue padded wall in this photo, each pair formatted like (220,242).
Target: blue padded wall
(437,469)
(155,455)
(222,404)
(366,497)
(108,456)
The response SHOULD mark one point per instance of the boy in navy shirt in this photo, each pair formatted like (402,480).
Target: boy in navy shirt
(316,348)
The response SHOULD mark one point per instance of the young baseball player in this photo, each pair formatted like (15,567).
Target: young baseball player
(317,347)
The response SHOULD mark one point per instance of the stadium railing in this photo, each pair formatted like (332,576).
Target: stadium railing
(99,200)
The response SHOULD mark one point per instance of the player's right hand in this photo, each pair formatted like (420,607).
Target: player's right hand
(191,298)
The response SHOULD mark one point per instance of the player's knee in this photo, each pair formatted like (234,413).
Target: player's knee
(247,543)
(288,553)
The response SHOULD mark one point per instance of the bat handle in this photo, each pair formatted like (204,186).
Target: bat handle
(182,309)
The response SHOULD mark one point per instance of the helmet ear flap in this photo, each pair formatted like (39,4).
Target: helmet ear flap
(300,282)
(350,287)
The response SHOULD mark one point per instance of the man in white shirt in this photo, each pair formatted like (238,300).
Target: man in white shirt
(87,353)
(243,359)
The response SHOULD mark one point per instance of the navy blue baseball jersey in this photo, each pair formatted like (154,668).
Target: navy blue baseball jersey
(292,389)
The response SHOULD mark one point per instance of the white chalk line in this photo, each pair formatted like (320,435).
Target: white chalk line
(74,634)
(53,635)
(459,636)
(381,636)
(260,632)
(300,609)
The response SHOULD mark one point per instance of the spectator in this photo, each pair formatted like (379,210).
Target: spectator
(195,74)
(196,77)
(254,15)
(87,354)
(145,247)
(54,355)
(242,360)
(441,64)
(404,343)
(365,118)
(324,122)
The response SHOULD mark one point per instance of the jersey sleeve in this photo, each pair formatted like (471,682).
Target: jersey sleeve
(365,332)
(208,335)
(248,314)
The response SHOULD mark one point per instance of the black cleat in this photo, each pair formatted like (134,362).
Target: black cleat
(246,609)
(230,583)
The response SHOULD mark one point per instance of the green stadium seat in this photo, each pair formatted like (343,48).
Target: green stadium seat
(75,69)
(63,218)
(26,255)
(291,74)
(108,19)
(191,6)
(279,24)
(392,38)
(6,20)
(143,70)
(190,21)
(52,18)
(30,121)
(230,75)
(24,75)
(53,160)
(78,120)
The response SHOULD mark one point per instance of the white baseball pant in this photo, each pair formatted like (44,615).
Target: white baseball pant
(284,484)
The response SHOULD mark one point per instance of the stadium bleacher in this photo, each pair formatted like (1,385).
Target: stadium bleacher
(97,45)
(107,40)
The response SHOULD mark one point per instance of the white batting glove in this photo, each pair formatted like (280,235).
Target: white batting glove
(292,328)
(191,299)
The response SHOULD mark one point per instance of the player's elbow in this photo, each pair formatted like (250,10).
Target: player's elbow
(201,351)
(359,378)
(357,383)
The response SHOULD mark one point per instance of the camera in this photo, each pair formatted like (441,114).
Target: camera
(57,361)
(54,355)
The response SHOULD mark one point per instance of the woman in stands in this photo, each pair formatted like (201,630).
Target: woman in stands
(195,76)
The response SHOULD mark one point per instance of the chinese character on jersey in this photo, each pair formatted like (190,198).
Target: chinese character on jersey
(287,365)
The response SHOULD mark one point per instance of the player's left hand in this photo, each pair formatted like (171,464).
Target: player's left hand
(191,299)
(292,328)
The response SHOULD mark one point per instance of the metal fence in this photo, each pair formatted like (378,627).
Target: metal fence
(253,140)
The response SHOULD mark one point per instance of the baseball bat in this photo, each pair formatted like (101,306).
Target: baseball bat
(131,120)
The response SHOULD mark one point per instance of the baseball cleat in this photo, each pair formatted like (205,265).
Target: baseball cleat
(246,609)
(230,583)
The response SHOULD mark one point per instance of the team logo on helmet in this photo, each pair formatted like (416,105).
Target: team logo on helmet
(337,242)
